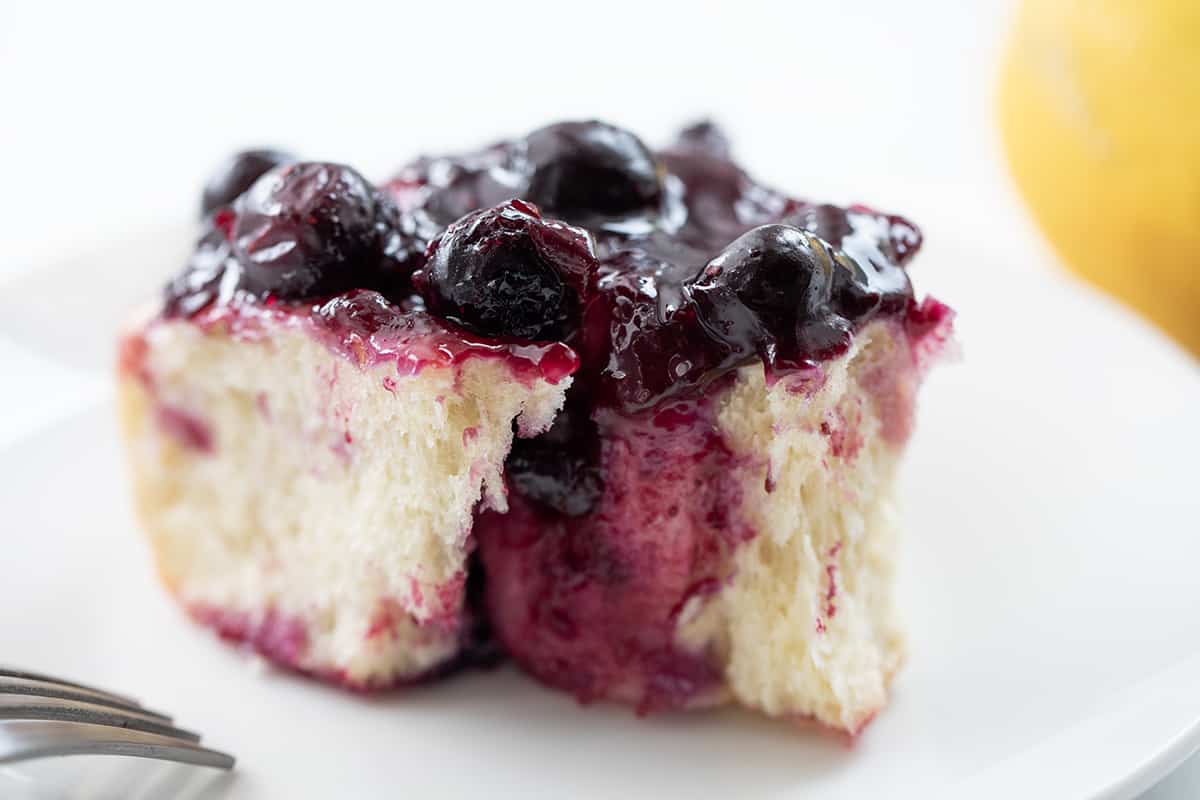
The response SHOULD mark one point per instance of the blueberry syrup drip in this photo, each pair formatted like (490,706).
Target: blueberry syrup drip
(561,468)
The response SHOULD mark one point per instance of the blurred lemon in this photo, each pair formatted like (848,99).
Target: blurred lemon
(1100,115)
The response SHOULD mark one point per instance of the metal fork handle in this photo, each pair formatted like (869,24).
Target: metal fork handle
(23,739)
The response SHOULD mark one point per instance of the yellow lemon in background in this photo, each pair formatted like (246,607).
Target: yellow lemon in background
(1100,117)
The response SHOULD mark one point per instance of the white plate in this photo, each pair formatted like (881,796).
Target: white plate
(1050,583)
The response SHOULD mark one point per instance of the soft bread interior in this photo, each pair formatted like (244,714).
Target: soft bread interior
(292,494)
(806,625)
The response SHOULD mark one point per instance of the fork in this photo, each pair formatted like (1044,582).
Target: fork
(41,716)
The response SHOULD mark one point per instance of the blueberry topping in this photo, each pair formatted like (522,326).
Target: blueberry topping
(506,271)
(581,171)
(683,269)
(404,238)
(308,229)
(773,269)
(770,292)
(237,174)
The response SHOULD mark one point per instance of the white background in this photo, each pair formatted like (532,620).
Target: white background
(112,114)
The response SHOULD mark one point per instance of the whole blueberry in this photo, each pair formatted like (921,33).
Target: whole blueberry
(237,174)
(583,170)
(774,268)
(506,271)
(772,291)
(404,238)
(308,229)
(561,468)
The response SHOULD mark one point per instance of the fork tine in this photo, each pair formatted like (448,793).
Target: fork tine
(53,688)
(24,739)
(6,672)
(28,707)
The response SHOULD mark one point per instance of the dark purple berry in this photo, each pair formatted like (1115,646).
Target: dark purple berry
(560,469)
(404,238)
(774,268)
(506,271)
(237,174)
(581,171)
(771,291)
(855,292)
(307,230)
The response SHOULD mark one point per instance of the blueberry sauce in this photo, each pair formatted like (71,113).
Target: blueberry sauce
(654,267)
(652,277)
(589,602)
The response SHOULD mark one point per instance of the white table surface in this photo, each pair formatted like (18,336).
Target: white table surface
(111,114)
